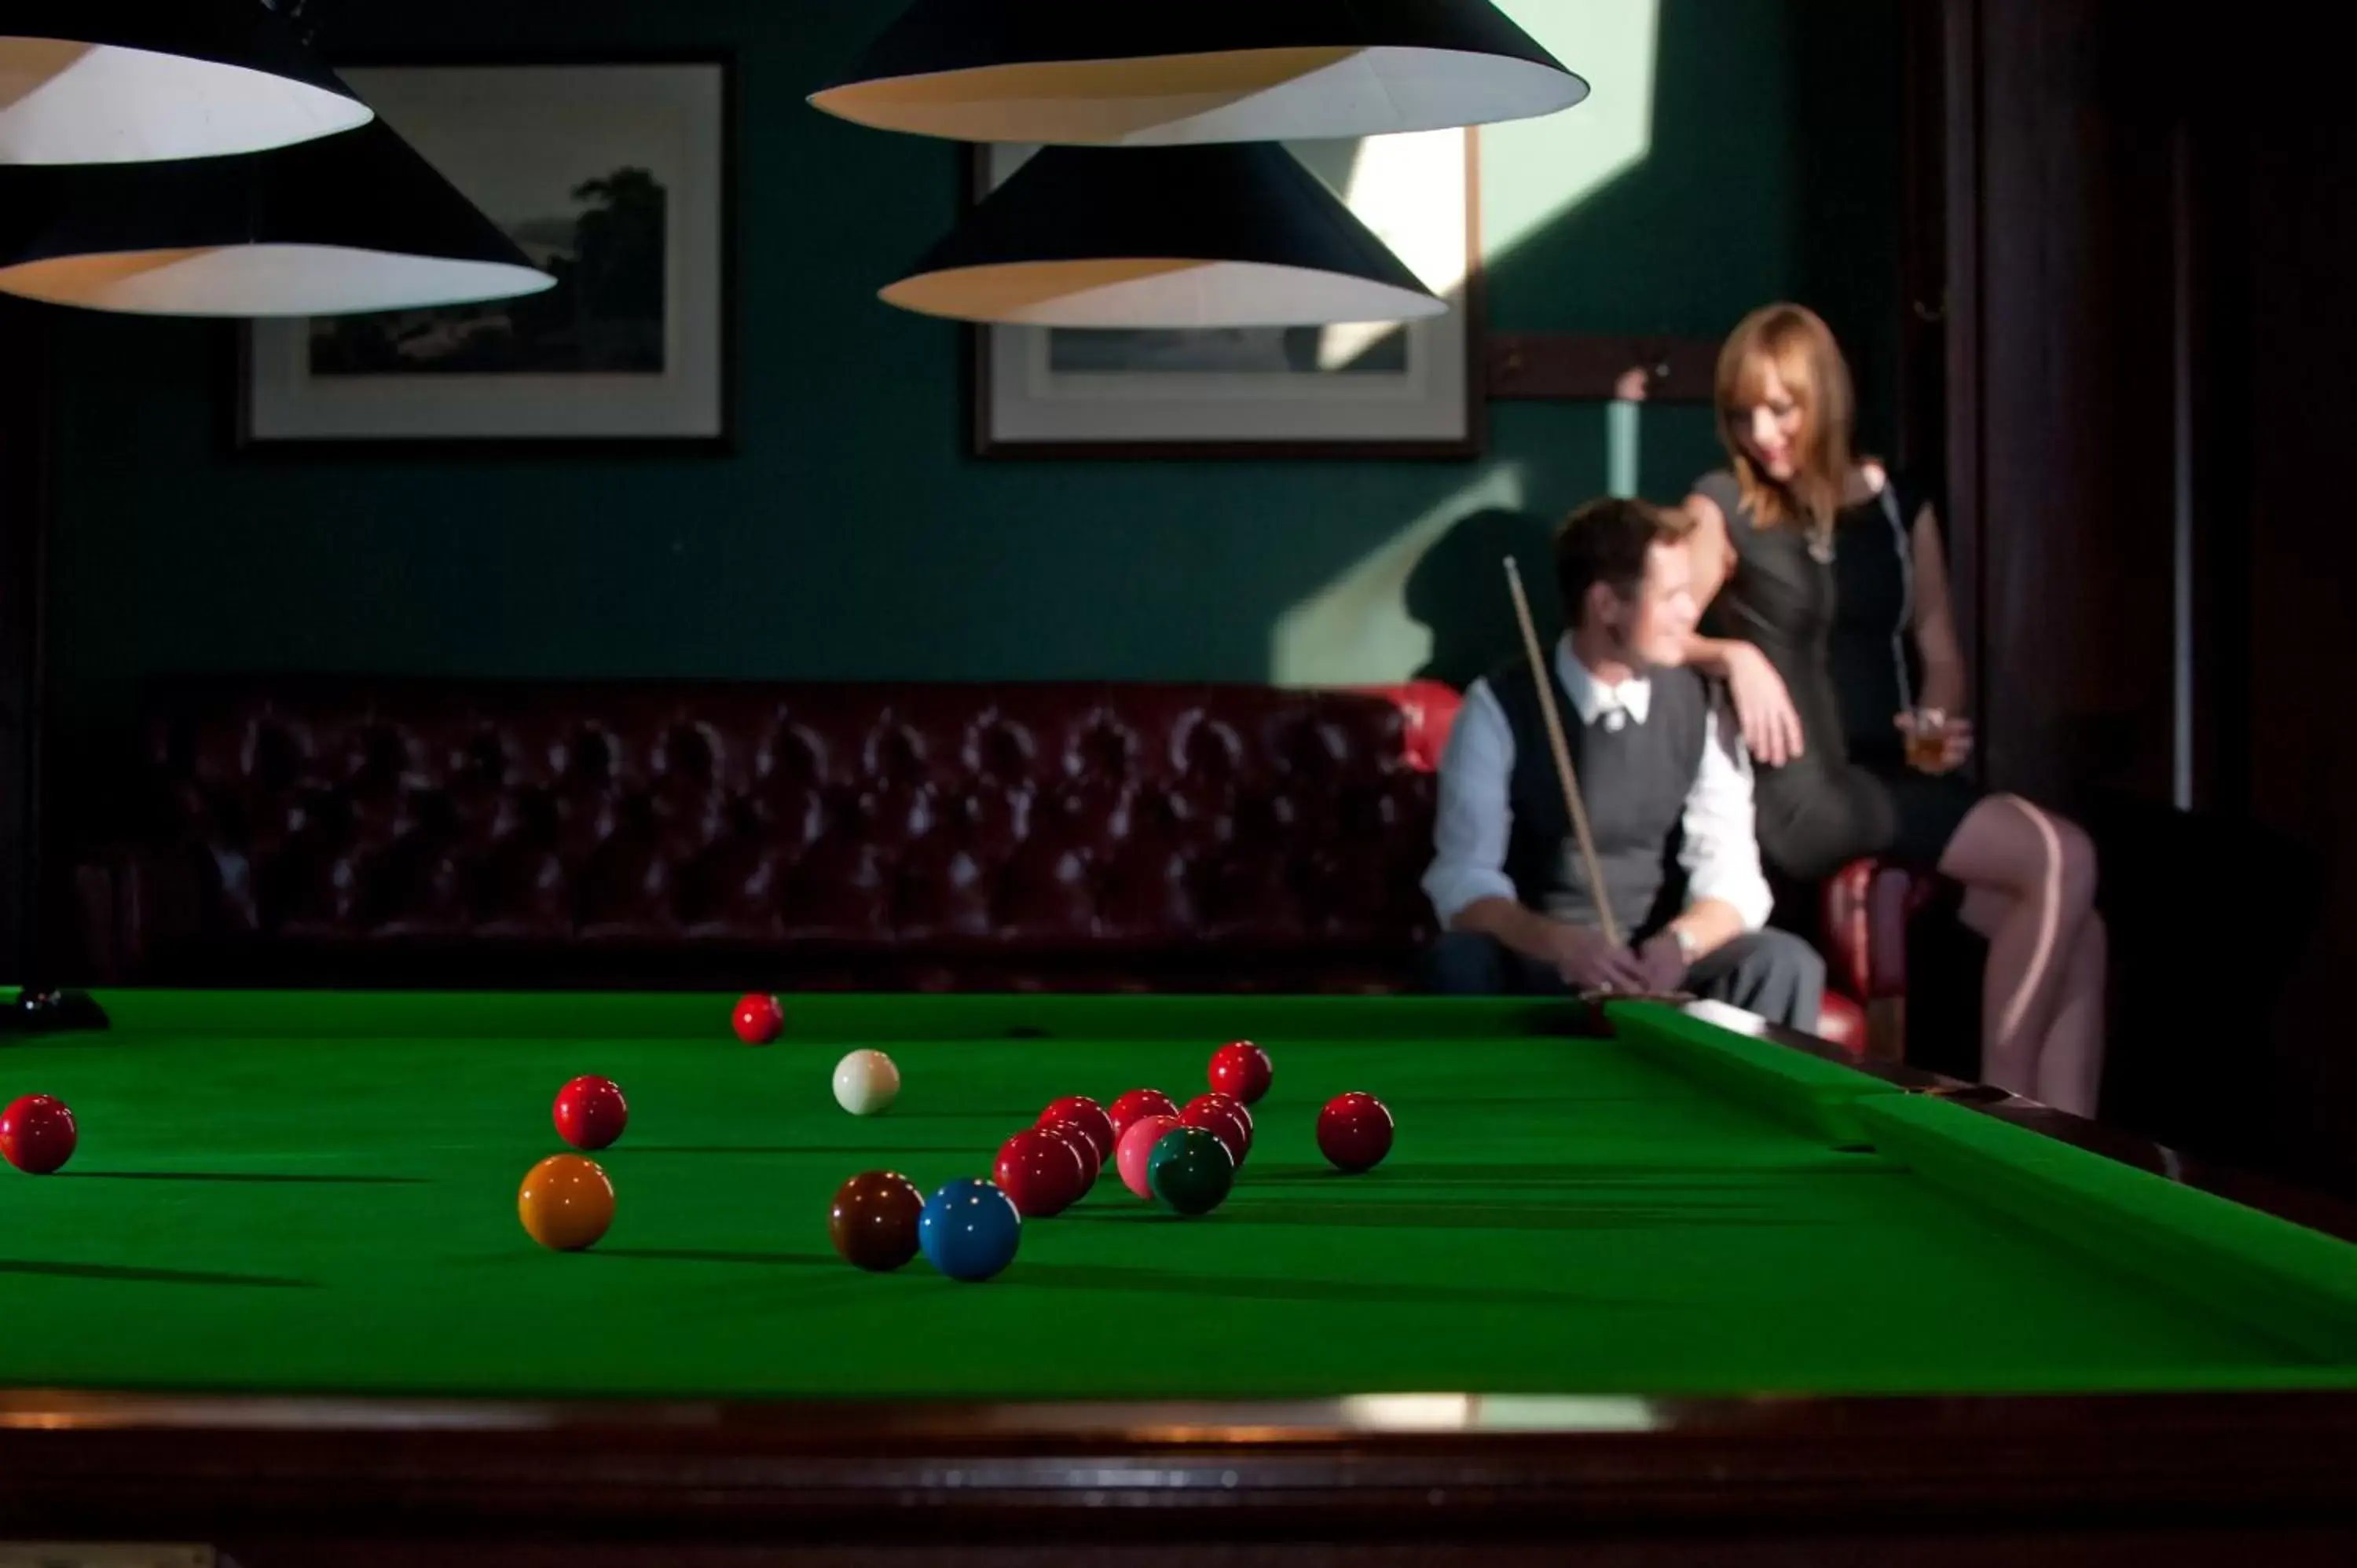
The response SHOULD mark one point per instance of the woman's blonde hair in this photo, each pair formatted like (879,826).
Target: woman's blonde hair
(1798,344)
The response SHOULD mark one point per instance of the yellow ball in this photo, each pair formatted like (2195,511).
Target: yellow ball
(565,1203)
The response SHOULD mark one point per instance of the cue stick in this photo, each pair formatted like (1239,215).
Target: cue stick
(1562,755)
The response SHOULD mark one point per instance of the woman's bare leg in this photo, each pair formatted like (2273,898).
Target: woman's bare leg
(2070,1070)
(2029,880)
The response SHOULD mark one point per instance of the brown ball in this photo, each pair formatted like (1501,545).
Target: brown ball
(874,1221)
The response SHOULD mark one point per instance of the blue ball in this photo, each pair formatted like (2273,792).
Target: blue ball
(969,1230)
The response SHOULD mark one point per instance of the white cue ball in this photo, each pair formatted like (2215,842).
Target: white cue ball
(866,1083)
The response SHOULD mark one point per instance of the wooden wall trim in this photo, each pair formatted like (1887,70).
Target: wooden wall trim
(1578,367)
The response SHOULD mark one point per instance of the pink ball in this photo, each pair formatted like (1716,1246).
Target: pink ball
(1137,1147)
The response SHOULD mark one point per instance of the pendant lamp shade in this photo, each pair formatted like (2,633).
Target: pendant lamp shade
(1223,236)
(1156,72)
(135,80)
(350,223)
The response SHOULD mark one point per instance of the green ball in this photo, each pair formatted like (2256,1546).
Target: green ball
(1190,1169)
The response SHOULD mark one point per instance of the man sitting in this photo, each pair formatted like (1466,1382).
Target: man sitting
(1667,790)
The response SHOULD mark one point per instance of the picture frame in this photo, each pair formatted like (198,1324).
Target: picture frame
(642,147)
(1411,392)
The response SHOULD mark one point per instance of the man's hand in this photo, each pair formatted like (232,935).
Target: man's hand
(1662,963)
(1588,962)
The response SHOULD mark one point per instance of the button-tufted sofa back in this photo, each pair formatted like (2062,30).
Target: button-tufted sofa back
(338,830)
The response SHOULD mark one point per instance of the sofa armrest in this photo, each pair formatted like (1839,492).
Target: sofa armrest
(1844,1021)
(115,895)
(1428,711)
(124,897)
(1865,908)
(104,885)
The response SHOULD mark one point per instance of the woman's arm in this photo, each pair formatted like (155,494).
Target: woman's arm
(1712,555)
(1944,688)
(1935,620)
(1772,726)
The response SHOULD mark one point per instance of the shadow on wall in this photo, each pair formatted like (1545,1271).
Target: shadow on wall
(1458,592)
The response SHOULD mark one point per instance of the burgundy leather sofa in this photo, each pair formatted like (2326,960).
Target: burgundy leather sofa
(349,830)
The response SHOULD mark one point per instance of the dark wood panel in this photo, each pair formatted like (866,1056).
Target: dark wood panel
(2075,386)
(1923,261)
(2288,414)
(1961,306)
(391,1482)
(24,446)
(2147,237)
(2281,1546)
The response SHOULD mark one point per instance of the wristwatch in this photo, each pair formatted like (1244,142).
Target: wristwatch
(1687,946)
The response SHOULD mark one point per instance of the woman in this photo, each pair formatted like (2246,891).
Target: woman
(1829,618)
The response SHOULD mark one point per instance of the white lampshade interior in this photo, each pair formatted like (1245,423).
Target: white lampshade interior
(1147,293)
(1255,95)
(266,281)
(74,104)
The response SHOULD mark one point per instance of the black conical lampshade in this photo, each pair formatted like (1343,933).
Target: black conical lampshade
(1147,72)
(355,223)
(1174,237)
(134,81)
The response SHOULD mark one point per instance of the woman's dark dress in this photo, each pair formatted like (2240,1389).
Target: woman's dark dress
(1837,633)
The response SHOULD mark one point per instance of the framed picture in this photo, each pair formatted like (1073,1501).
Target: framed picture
(615,178)
(1378,391)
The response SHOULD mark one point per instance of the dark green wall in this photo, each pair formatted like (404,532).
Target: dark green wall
(851,537)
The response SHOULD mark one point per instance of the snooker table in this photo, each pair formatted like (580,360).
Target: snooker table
(1657,1285)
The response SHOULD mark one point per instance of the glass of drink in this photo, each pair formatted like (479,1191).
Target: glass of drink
(1927,740)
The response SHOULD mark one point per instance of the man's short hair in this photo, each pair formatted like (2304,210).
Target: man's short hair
(1607,541)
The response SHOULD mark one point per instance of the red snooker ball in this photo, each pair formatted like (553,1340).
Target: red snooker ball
(590,1113)
(1224,1119)
(1074,1135)
(1229,1102)
(1041,1173)
(38,1134)
(1242,1070)
(1134,1107)
(1354,1131)
(1232,1103)
(760,1020)
(1092,1121)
